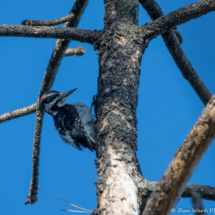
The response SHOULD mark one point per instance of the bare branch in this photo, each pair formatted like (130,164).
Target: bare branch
(178,17)
(50,22)
(18,113)
(84,36)
(197,203)
(186,67)
(78,51)
(48,80)
(155,11)
(172,41)
(178,34)
(32,198)
(206,192)
(171,186)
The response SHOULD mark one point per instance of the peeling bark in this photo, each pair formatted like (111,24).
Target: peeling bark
(118,175)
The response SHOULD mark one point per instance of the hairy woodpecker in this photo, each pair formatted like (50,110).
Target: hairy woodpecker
(74,122)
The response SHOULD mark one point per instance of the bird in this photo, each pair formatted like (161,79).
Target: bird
(74,122)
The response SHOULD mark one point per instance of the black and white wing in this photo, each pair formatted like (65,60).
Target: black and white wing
(79,132)
(87,120)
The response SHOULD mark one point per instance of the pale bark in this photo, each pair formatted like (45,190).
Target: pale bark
(172,184)
(78,51)
(19,113)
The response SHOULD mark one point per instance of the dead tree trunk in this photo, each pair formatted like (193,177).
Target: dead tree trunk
(121,189)
(120,54)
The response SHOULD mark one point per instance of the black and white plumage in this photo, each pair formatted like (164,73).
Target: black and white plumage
(74,122)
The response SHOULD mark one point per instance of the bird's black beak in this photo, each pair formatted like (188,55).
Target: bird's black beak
(64,95)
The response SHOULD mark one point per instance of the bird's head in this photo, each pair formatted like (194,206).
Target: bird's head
(52,100)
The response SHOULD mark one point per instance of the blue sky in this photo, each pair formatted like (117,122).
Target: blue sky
(168,107)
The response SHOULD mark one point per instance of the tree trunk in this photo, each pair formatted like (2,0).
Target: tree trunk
(120,54)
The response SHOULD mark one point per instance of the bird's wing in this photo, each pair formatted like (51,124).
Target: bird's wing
(87,120)
(75,126)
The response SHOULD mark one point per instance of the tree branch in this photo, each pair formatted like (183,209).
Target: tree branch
(178,17)
(18,113)
(206,192)
(171,186)
(197,203)
(78,51)
(172,42)
(50,22)
(155,11)
(186,68)
(48,80)
(84,36)
(32,198)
